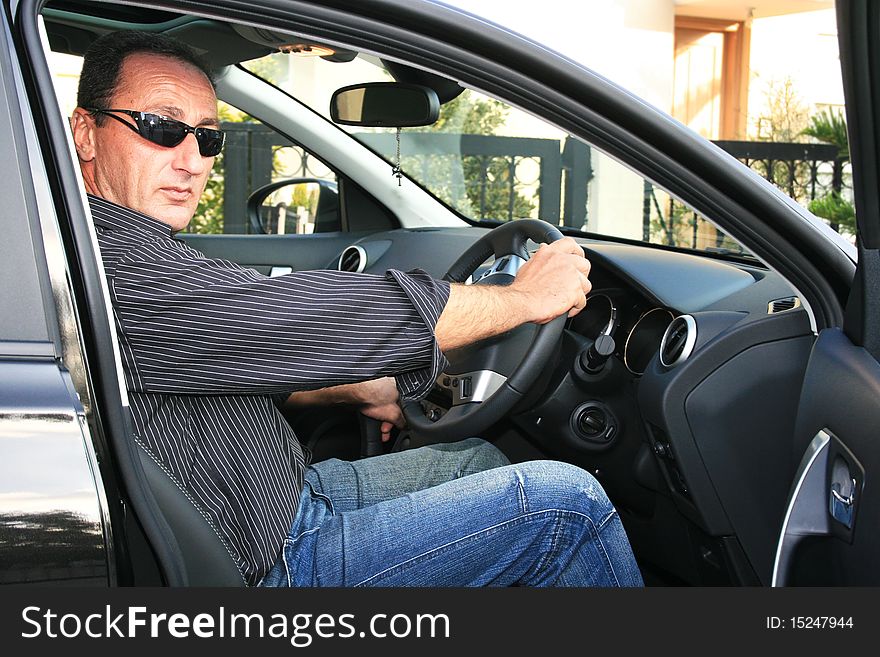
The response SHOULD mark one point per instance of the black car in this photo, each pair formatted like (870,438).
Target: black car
(723,386)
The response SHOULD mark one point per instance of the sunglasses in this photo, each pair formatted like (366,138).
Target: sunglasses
(167,132)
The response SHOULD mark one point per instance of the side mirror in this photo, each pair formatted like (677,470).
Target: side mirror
(295,206)
(385,105)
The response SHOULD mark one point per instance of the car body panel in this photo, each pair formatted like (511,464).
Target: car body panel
(51,520)
(53,526)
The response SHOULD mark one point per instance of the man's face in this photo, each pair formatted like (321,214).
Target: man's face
(121,166)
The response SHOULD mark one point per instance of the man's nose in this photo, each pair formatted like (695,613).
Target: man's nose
(188,158)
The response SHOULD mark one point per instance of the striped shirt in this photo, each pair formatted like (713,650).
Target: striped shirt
(208,346)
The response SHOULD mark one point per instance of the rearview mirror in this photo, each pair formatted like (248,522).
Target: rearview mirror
(385,105)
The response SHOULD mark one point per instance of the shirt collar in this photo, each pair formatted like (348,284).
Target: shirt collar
(118,217)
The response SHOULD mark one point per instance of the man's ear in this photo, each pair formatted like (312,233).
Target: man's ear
(82,124)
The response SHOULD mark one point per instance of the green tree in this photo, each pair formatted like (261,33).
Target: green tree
(836,210)
(829,126)
(485,191)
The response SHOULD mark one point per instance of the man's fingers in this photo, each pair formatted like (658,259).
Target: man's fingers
(586,285)
(567,245)
(385,429)
(579,305)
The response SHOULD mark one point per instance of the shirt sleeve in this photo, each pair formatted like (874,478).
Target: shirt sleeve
(197,325)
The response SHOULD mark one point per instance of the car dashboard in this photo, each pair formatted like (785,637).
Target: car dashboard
(685,444)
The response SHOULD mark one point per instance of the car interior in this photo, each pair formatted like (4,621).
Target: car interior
(678,385)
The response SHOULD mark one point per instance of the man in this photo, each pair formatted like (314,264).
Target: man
(209,347)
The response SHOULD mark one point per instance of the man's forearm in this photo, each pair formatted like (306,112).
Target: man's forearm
(376,399)
(476,312)
(348,393)
(375,392)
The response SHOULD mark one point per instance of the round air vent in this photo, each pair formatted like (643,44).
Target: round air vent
(678,341)
(353,259)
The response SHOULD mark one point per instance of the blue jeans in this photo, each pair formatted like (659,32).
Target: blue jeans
(453,514)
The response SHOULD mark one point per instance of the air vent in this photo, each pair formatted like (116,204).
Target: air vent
(781,305)
(678,341)
(353,258)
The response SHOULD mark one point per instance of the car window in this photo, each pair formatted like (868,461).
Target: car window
(298,186)
(780,115)
(766,90)
(489,161)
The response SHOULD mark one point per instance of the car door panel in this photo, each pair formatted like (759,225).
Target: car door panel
(838,406)
(52,525)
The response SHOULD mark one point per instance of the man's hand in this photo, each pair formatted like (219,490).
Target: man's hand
(377,399)
(554,281)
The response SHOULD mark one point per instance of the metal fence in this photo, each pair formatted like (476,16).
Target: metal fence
(483,177)
(560,187)
(805,172)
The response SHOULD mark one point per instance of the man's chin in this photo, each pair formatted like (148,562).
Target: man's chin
(176,216)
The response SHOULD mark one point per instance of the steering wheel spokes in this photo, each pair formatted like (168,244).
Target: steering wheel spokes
(471,387)
(505,266)
(479,394)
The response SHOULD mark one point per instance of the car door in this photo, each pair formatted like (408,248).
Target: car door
(53,510)
(829,534)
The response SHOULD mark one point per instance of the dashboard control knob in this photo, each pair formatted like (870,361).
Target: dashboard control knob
(594,358)
(593,426)
(662,450)
(592,422)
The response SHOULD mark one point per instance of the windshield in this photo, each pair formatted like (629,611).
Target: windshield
(491,162)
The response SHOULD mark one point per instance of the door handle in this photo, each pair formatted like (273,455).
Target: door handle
(823,499)
(841,503)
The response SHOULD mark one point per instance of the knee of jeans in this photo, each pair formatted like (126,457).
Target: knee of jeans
(558,485)
(329,468)
(485,456)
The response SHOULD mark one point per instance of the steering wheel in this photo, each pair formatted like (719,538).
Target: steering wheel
(485,380)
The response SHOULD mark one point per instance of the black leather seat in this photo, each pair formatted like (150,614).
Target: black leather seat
(202,555)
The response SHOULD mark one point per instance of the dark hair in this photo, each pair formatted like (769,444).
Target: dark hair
(103,61)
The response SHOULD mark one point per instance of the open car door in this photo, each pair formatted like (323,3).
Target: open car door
(829,534)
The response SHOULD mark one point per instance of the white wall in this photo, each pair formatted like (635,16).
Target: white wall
(630,42)
(802,47)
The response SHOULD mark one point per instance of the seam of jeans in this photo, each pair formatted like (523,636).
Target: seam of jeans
(288,542)
(387,572)
(611,514)
(521,491)
(321,496)
(609,566)
(550,555)
(291,541)
(358,486)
